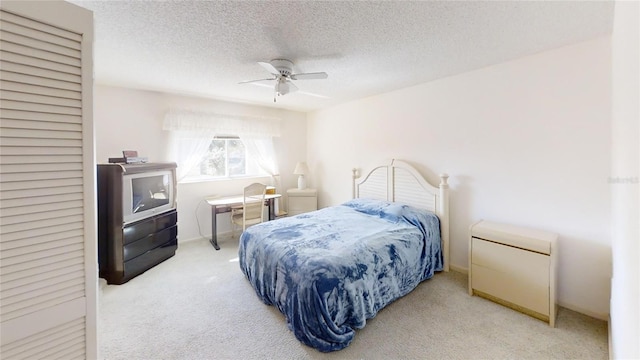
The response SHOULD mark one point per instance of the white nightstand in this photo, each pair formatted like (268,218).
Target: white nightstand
(302,201)
(514,266)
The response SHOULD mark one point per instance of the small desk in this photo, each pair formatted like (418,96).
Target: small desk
(224,204)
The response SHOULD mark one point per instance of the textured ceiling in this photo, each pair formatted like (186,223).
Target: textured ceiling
(205,48)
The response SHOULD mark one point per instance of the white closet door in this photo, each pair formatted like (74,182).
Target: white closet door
(48,266)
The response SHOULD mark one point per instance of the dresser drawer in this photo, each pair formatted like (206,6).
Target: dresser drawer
(139,230)
(302,204)
(302,201)
(149,242)
(166,220)
(144,262)
(515,275)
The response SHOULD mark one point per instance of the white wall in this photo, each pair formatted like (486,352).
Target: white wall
(128,119)
(525,142)
(625,170)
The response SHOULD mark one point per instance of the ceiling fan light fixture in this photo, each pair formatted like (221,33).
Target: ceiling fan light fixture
(282,87)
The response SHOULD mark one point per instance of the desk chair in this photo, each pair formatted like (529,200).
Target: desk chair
(252,210)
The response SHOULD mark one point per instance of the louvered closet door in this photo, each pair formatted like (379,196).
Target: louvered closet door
(47,227)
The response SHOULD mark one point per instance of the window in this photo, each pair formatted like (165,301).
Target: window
(210,146)
(225,157)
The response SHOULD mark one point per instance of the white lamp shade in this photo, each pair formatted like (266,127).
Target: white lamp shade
(301,168)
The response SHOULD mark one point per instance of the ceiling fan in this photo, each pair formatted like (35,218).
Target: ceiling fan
(281,82)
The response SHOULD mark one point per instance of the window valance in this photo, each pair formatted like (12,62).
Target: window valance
(221,124)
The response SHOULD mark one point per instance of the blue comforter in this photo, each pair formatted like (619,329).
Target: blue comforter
(330,270)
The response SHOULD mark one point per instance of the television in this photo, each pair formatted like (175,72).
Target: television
(147,194)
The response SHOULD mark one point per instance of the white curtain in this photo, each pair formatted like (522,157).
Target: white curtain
(261,150)
(221,124)
(188,147)
(192,132)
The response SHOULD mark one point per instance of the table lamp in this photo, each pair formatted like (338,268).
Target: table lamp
(301,170)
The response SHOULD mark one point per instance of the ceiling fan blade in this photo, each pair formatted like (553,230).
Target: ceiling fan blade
(270,86)
(309,76)
(312,94)
(258,82)
(292,87)
(270,68)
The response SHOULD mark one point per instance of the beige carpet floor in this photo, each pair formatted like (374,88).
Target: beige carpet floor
(198,305)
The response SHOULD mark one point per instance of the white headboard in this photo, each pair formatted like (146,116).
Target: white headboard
(400,182)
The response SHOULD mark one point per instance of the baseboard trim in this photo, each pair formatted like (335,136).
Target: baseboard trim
(221,236)
(595,315)
(610,342)
(199,238)
(459,269)
(102,283)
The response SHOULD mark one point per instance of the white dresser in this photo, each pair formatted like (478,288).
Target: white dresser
(302,201)
(514,266)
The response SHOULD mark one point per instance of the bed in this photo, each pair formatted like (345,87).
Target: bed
(330,270)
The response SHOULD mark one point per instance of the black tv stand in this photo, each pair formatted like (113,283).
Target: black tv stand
(127,250)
